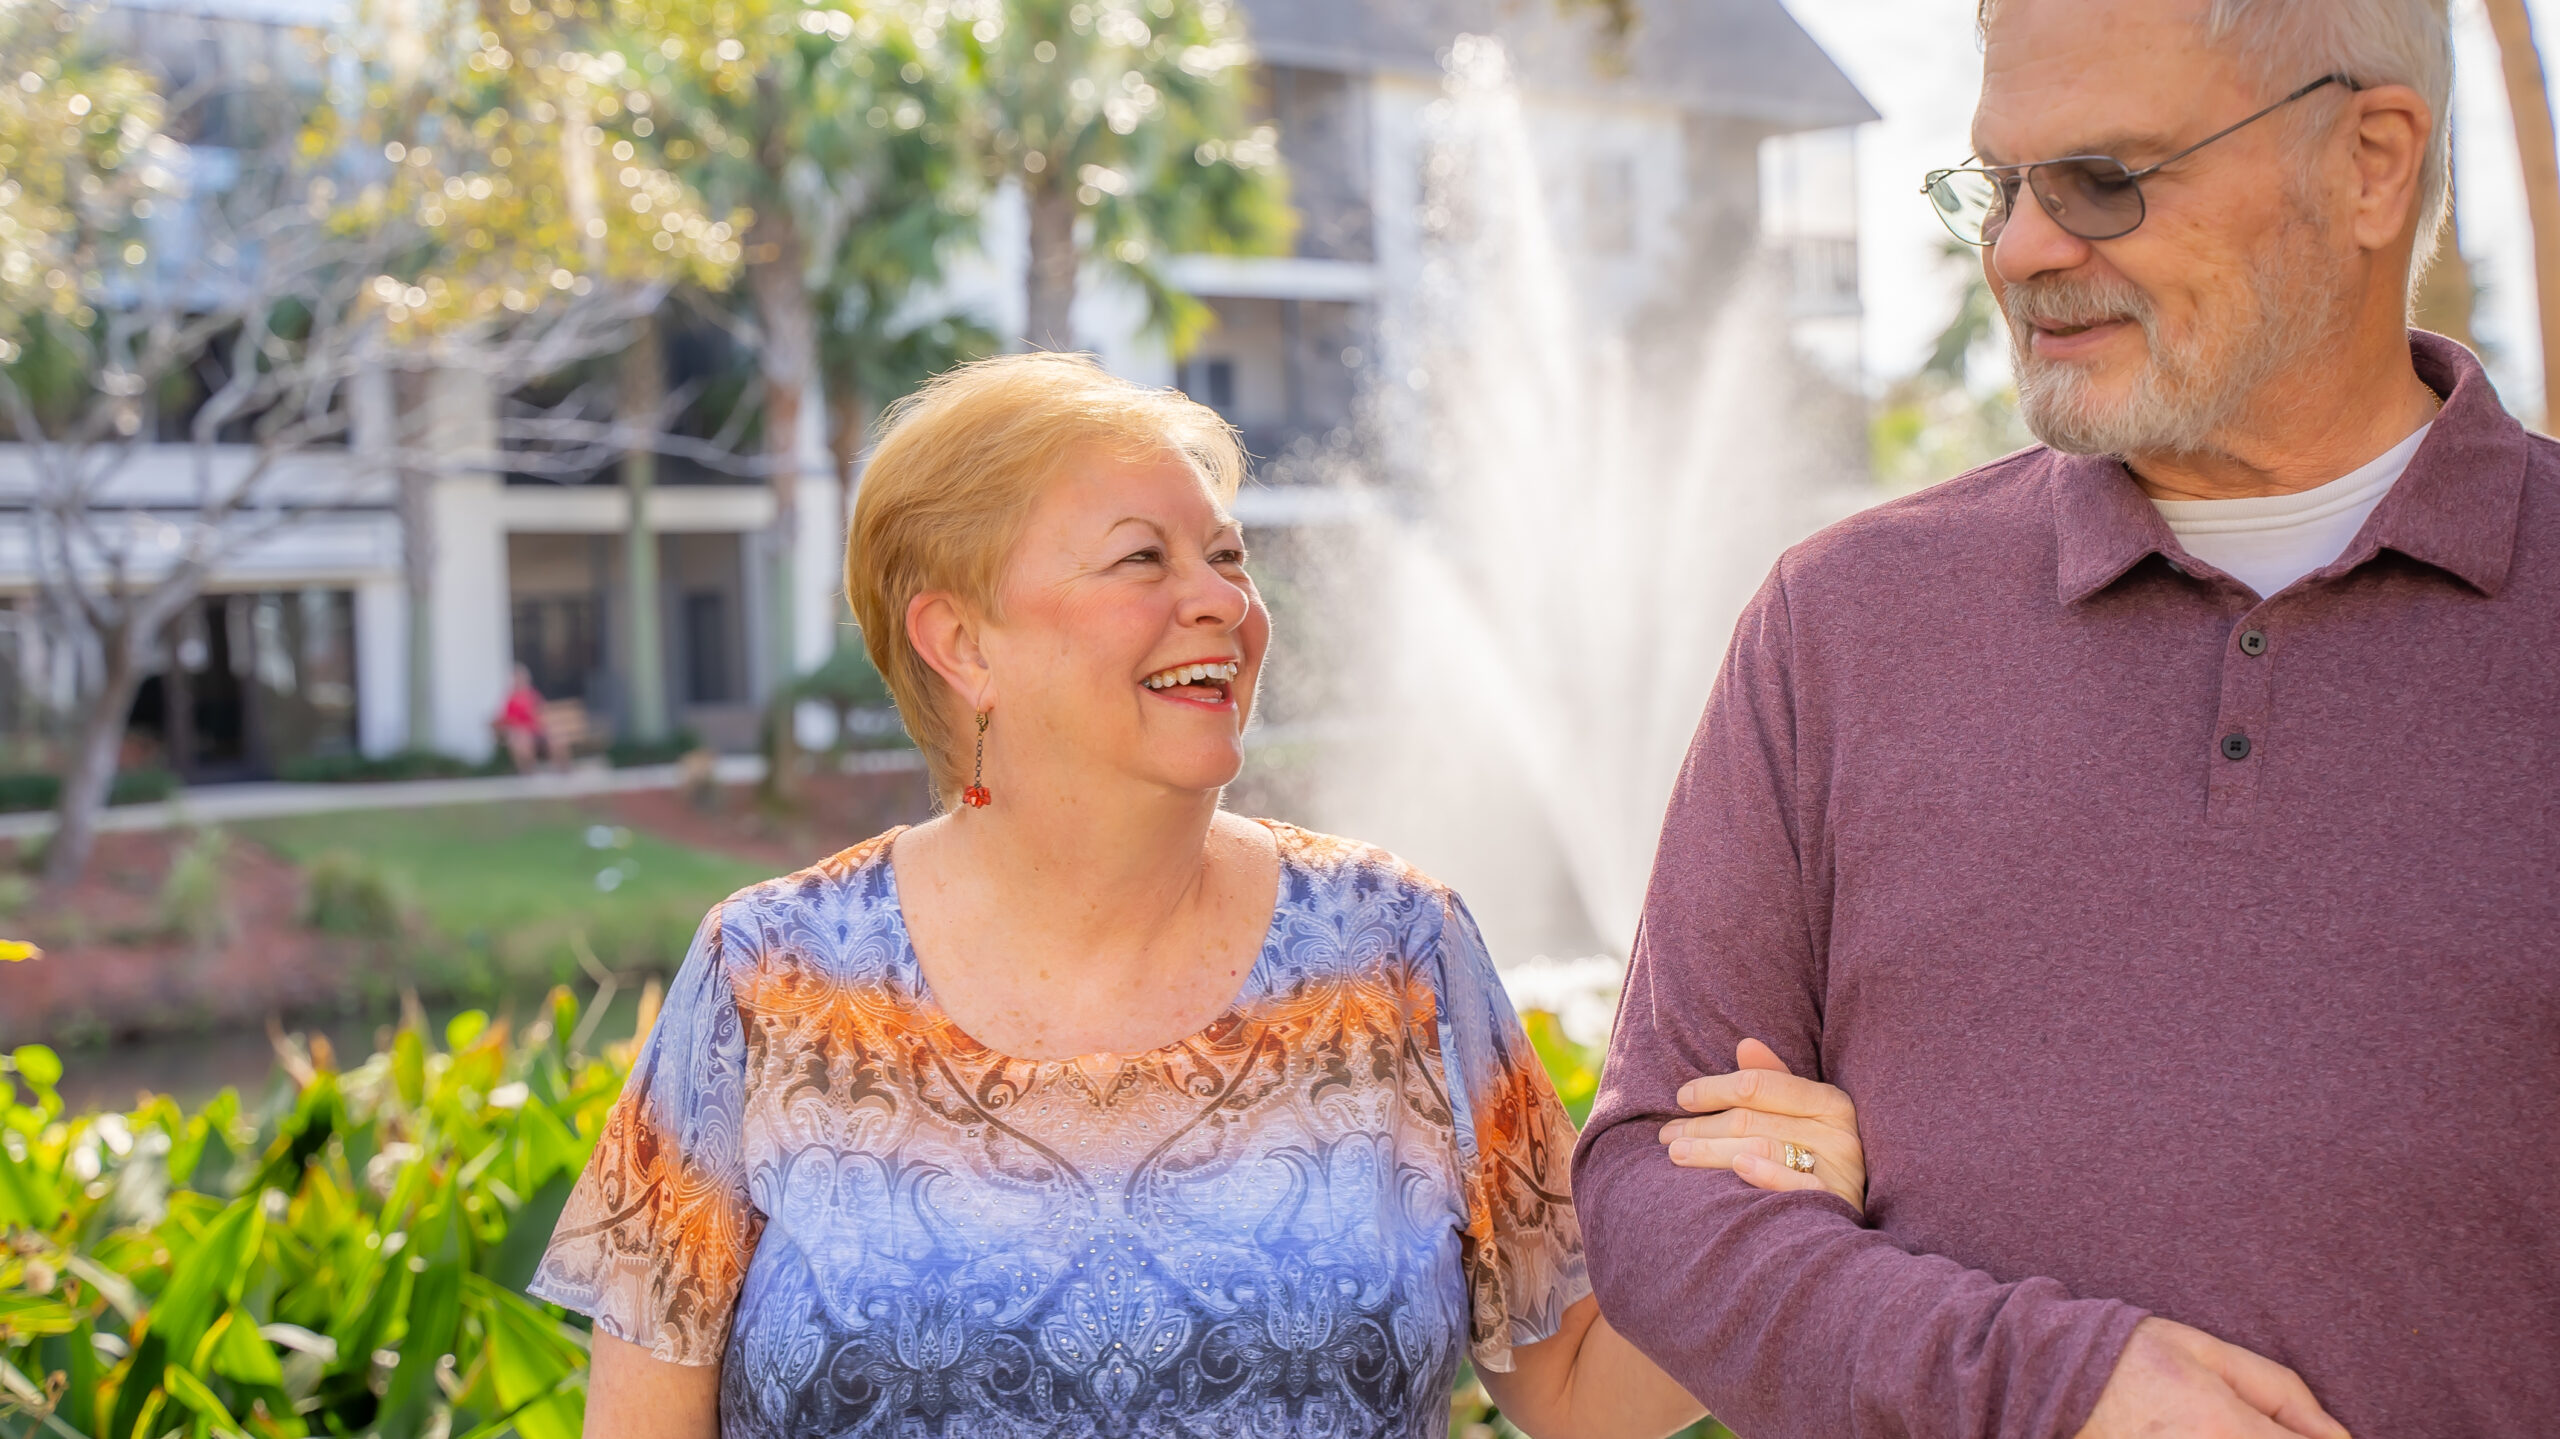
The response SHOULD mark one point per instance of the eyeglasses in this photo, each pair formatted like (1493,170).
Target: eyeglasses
(2096,197)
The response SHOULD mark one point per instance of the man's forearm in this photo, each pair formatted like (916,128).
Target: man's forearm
(1788,1318)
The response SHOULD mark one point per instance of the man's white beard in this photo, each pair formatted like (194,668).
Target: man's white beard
(2191,388)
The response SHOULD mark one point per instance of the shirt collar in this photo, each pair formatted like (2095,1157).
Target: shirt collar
(2455,508)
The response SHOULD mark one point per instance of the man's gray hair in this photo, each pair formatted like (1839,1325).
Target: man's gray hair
(2372,42)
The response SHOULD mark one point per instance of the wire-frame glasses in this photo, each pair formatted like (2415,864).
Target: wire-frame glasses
(2096,197)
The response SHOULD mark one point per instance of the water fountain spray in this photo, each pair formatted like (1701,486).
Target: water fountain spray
(1570,499)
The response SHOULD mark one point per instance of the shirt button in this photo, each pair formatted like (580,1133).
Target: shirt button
(2235,746)
(2253,642)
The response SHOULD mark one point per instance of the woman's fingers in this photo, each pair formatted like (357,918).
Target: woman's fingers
(1753,1123)
(1761,1163)
(1711,1143)
(1752,1054)
(2275,1391)
(1753,1115)
(1763,1173)
(1721,1153)
(1771,1092)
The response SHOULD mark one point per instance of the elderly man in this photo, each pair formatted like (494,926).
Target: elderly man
(2157,833)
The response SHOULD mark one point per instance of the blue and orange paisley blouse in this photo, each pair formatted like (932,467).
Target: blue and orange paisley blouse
(1295,1222)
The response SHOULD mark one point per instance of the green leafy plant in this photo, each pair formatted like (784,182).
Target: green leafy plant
(849,684)
(405,764)
(630,753)
(30,790)
(351,1262)
(193,903)
(345,893)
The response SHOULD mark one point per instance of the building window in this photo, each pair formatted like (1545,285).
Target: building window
(1211,382)
(558,639)
(706,647)
(1609,205)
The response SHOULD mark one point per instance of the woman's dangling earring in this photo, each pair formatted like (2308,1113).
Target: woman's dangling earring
(976,796)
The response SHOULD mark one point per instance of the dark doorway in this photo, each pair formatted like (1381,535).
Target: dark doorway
(706,648)
(250,683)
(557,637)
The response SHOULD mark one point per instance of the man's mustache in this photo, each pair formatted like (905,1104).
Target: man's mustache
(2066,302)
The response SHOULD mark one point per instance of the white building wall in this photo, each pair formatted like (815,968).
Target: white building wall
(1620,267)
(1809,214)
(986,281)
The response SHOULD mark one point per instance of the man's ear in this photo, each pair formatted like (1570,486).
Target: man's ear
(945,634)
(2393,125)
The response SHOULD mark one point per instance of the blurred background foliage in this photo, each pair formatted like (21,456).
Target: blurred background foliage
(1960,408)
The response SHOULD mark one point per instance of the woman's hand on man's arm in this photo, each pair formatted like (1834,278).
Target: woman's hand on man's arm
(631,1395)
(1755,1113)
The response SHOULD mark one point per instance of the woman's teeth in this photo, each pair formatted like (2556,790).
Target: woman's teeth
(1191,674)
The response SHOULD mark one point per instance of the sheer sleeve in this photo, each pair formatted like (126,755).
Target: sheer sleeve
(656,1236)
(1523,1245)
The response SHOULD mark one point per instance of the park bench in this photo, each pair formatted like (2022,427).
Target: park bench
(566,729)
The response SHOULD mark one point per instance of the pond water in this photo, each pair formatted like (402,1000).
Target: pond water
(194,1067)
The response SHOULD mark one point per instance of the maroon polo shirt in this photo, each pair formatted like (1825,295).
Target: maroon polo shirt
(2186,953)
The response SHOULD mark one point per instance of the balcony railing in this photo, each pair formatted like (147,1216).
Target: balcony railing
(1823,273)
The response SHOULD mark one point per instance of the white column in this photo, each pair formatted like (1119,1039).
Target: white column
(382,666)
(819,576)
(755,605)
(473,650)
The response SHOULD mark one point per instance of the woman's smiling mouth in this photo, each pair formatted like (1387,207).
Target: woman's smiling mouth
(1202,682)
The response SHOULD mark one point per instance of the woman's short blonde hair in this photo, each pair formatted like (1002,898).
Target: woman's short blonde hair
(957,469)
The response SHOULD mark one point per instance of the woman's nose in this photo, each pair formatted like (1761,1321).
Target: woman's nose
(1214,601)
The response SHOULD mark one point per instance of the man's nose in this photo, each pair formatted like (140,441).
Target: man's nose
(2031,244)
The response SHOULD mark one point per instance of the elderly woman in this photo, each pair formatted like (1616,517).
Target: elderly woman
(1087,1108)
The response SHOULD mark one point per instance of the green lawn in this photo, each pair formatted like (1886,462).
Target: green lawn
(504,892)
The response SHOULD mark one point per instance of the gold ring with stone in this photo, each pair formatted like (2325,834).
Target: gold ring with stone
(1799,1159)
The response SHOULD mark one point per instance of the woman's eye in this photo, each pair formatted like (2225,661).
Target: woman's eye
(1144,557)
(1227,557)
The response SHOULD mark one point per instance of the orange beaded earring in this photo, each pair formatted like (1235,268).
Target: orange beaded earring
(976,796)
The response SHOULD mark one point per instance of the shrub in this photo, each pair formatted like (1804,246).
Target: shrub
(407,764)
(28,790)
(345,893)
(142,786)
(632,753)
(308,1270)
(848,684)
(193,903)
(846,679)
(351,1261)
(34,789)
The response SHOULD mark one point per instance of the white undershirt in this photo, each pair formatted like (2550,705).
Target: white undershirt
(2267,542)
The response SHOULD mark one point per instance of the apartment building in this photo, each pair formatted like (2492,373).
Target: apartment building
(1714,128)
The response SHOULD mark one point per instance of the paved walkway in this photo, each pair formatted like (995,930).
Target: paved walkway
(222,803)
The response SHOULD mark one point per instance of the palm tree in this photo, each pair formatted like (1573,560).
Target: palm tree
(641,404)
(1125,125)
(817,122)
